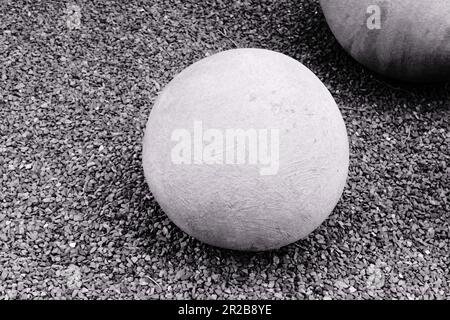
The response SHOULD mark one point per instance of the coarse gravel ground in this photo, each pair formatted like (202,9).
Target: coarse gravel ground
(77,219)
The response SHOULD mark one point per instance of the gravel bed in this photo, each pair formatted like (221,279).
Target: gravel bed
(77,219)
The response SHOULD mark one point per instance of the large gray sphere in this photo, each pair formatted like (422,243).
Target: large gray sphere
(244,205)
(403,39)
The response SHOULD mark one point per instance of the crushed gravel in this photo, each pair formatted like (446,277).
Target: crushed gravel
(77,219)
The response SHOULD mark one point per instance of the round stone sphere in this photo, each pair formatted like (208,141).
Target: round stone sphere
(246,150)
(403,39)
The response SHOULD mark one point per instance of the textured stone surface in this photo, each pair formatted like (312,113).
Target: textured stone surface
(258,204)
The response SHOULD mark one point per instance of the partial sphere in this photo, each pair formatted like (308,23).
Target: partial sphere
(246,150)
(403,39)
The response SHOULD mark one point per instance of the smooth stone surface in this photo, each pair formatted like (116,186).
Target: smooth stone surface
(412,43)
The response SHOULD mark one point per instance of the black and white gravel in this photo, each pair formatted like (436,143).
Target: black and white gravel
(77,219)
